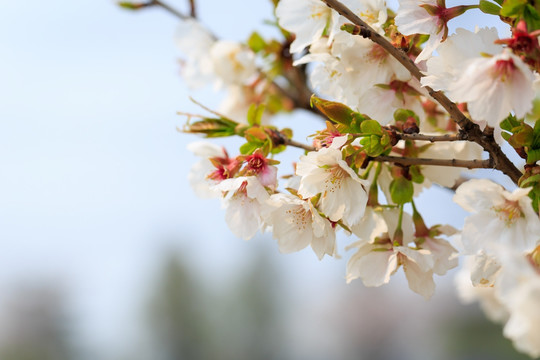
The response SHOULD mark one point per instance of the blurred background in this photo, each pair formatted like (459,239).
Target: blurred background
(105,253)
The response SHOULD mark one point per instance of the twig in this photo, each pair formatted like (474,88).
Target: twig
(430,138)
(192,9)
(501,162)
(169,9)
(469,164)
(299,145)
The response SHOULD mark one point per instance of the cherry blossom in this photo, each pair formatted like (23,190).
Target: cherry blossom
(492,81)
(343,193)
(498,217)
(202,176)
(378,258)
(296,224)
(307,19)
(245,204)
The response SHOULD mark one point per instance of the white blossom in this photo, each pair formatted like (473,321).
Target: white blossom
(198,176)
(307,19)
(377,259)
(472,69)
(498,217)
(486,296)
(233,64)
(244,205)
(296,223)
(195,43)
(518,288)
(412,19)
(343,193)
(494,86)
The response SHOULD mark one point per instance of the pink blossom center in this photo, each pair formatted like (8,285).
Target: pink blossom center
(256,163)
(377,53)
(504,69)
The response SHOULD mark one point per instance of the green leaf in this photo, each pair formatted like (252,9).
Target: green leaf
(530,181)
(255,134)
(509,123)
(372,145)
(488,7)
(256,42)
(371,127)
(248,148)
(130,5)
(212,127)
(523,136)
(533,156)
(531,17)
(336,112)
(417,177)
(403,114)
(401,190)
(255,114)
(511,8)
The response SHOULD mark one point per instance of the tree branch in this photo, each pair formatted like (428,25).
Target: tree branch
(297,144)
(431,138)
(469,164)
(500,161)
(192,9)
(171,10)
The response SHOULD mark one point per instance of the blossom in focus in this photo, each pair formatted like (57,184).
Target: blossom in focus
(413,18)
(307,19)
(494,86)
(373,12)
(428,17)
(343,193)
(296,223)
(261,167)
(380,257)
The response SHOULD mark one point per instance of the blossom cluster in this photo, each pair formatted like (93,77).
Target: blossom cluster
(412,104)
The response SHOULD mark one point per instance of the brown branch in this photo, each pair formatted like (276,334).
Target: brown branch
(430,138)
(500,160)
(469,164)
(171,10)
(192,9)
(297,144)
